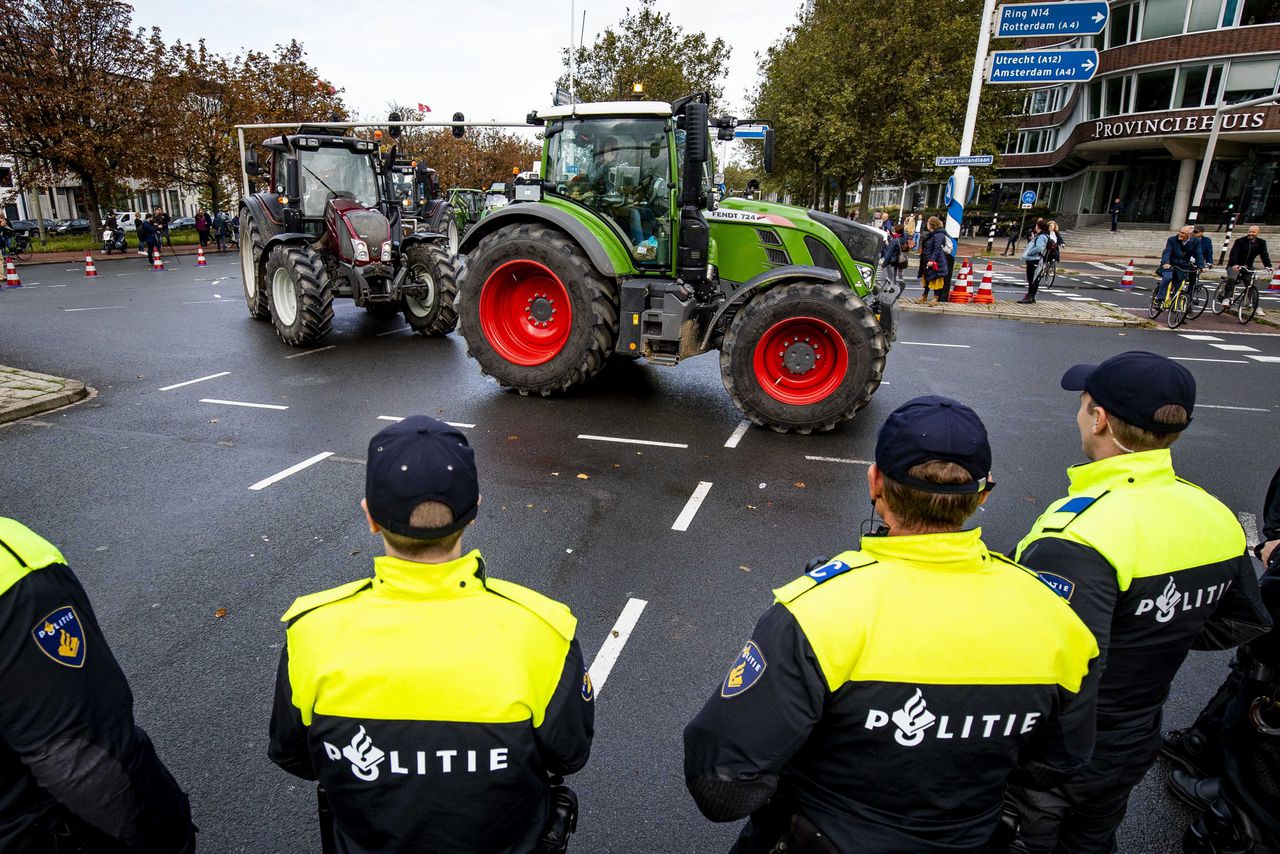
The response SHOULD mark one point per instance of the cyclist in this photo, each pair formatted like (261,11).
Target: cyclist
(1244,251)
(1035,251)
(1206,246)
(1180,254)
(6,234)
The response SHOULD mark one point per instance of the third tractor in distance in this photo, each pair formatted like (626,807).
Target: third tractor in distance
(618,248)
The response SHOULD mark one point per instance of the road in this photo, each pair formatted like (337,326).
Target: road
(148,489)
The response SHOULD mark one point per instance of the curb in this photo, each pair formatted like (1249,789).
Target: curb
(98,258)
(72,391)
(999,312)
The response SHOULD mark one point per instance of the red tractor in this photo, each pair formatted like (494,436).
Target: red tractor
(325,228)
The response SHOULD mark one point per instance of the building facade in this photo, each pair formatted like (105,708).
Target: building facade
(66,201)
(1138,130)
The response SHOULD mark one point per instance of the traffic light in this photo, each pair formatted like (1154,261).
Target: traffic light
(459,130)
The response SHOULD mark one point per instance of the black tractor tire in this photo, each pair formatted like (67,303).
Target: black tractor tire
(438,316)
(593,301)
(765,320)
(255,284)
(305,316)
(384,309)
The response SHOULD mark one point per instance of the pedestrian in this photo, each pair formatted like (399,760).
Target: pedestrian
(1053,249)
(161,221)
(1115,210)
(148,237)
(476,697)
(203,226)
(1181,254)
(893,260)
(220,230)
(77,773)
(1244,251)
(1037,244)
(6,234)
(935,263)
(1011,246)
(909,229)
(1154,566)
(843,726)
(1228,218)
(1205,245)
(1229,758)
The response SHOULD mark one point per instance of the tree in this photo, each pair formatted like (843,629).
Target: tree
(647,48)
(482,156)
(856,95)
(75,91)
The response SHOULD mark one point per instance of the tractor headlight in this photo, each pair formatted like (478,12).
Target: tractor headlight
(386,251)
(406,203)
(361,250)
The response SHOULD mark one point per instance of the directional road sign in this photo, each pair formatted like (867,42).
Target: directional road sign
(749,131)
(1042,66)
(972,160)
(1028,199)
(1071,18)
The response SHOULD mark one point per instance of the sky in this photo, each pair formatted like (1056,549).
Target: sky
(489,59)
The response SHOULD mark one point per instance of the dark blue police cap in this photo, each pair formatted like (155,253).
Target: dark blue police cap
(935,428)
(1133,386)
(415,460)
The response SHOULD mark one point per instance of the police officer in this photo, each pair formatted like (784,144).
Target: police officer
(882,702)
(431,701)
(1154,565)
(76,773)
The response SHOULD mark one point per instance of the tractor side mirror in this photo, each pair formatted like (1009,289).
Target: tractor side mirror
(696,143)
(459,130)
(768,151)
(394,132)
(292,179)
(251,164)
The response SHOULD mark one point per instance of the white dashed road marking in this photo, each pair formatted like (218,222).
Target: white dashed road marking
(1250,524)
(242,403)
(1193,359)
(309,352)
(738,433)
(839,460)
(96,308)
(393,331)
(588,437)
(602,664)
(460,425)
(293,469)
(1237,408)
(931,344)
(1238,348)
(1199,337)
(691,506)
(193,382)
(1270,359)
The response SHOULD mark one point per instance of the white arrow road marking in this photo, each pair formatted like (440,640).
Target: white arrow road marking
(602,664)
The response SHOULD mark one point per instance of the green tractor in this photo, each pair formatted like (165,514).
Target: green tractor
(619,248)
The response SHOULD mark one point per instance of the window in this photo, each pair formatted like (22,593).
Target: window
(1190,91)
(1122,25)
(1204,15)
(1260,12)
(1163,18)
(1154,90)
(1044,101)
(1095,99)
(1248,80)
(1034,142)
(1115,97)
(1213,91)
(6,177)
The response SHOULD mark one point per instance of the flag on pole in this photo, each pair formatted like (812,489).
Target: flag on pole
(423,108)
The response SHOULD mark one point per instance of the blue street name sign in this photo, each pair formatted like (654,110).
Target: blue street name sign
(749,131)
(972,160)
(1071,18)
(1042,66)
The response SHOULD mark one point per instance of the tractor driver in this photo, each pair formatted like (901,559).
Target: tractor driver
(606,193)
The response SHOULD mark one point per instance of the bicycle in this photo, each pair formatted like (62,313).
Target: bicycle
(1179,296)
(1247,299)
(1046,272)
(19,245)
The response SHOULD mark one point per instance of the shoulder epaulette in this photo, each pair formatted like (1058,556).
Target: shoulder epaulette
(829,570)
(1056,521)
(22,551)
(554,613)
(311,601)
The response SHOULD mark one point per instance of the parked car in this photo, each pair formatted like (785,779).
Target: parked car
(30,226)
(182,222)
(72,226)
(127,220)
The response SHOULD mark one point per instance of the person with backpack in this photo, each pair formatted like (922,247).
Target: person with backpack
(1037,245)
(935,263)
(893,260)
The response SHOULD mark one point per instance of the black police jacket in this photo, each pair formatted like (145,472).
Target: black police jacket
(68,741)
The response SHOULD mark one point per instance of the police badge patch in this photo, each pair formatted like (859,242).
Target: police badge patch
(61,637)
(1061,585)
(745,672)
(588,690)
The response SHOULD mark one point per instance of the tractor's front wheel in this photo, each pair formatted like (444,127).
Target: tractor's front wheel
(301,296)
(535,314)
(255,290)
(803,357)
(433,314)
(454,233)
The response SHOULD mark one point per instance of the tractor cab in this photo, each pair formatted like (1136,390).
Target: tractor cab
(315,166)
(411,188)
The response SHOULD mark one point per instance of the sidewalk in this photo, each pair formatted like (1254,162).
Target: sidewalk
(99,257)
(1076,313)
(25,393)
(975,247)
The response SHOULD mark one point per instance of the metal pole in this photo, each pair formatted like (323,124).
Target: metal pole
(572,20)
(902,205)
(960,179)
(244,173)
(995,217)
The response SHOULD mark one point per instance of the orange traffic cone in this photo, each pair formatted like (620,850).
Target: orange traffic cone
(960,288)
(11,274)
(200,262)
(1127,280)
(157,262)
(985,296)
(89,269)
(1275,281)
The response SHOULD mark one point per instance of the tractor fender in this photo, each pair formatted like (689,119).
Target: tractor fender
(285,237)
(421,237)
(266,215)
(761,283)
(534,212)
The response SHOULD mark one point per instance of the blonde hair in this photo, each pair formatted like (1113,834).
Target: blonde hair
(934,223)
(1053,225)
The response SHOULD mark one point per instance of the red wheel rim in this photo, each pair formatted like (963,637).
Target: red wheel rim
(525,313)
(801,360)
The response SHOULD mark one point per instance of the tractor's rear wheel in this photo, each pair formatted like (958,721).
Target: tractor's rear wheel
(803,357)
(433,315)
(255,291)
(301,296)
(535,314)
